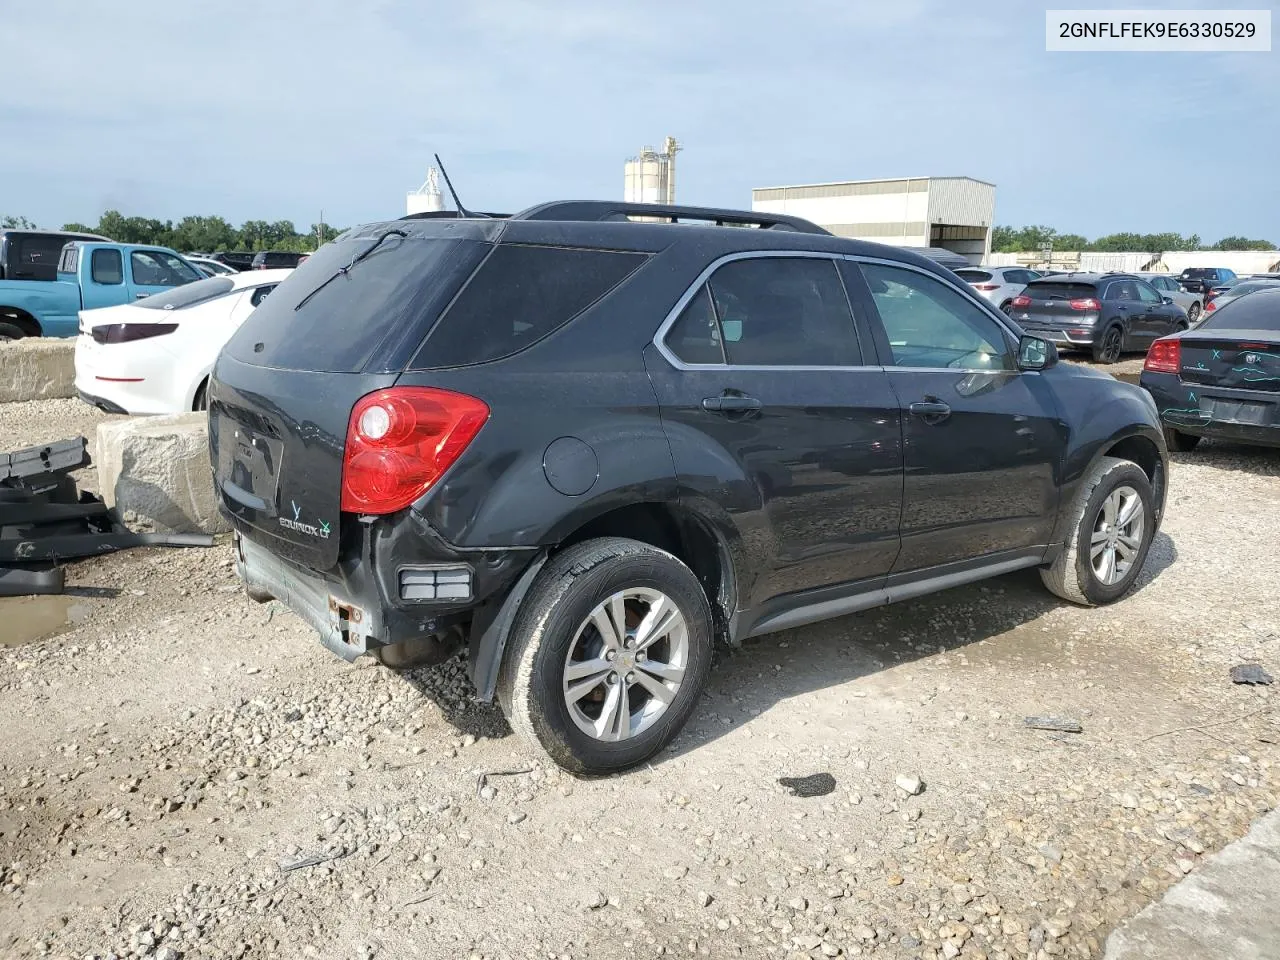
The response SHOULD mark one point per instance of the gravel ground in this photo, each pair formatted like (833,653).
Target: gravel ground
(187,774)
(43,421)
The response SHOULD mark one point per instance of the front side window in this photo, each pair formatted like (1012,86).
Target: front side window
(930,324)
(154,268)
(106,267)
(1125,290)
(1147,294)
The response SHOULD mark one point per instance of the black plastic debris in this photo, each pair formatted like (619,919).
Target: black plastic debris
(814,785)
(45,519)
(1057,724)
(1250,673)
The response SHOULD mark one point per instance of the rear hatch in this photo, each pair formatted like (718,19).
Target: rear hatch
(342,325)
(1056,304)
(1236,359)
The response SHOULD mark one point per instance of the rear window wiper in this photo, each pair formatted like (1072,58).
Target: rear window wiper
(342,271)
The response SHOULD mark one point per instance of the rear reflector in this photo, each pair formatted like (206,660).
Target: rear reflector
(400,441)
(448,583)
(120,379)
(128,332)
(1020,301)
(1088,303)
(1165,356)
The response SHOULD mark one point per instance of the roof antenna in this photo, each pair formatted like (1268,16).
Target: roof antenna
(462,211)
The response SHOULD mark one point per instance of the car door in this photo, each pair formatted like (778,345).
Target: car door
(775,415)
(105,285)
(1120,298)
(982,440)
(1158,318)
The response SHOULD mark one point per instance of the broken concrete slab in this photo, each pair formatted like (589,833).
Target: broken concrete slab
(155,472)
(37,368)
(1226,908)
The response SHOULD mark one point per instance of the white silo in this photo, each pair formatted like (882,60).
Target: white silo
(427,198)
(651,176)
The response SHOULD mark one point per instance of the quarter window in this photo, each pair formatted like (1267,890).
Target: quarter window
(106,267)
(929,324)
(260,294)
(1125,290)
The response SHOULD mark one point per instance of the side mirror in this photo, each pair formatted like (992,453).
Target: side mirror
(1036,354)
(1166,300)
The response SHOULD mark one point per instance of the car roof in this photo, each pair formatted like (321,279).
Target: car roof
(5,231)
(1085,277)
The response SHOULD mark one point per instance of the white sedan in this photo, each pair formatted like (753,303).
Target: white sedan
(154,356)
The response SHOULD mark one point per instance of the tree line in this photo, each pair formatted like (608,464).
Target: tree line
(1034,238)
(204,234)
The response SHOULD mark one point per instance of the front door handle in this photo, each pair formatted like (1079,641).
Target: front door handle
(730,404)
(931,411)
(141,296)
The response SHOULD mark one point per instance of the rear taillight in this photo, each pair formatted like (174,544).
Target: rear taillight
(400,441)
(986,286)
(1021,302)
(1210,306)
(1088,303)
(1165,356)
(128,332)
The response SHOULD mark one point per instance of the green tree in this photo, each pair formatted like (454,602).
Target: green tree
(1243,243)
(17,223)
(206,234)
(78,228)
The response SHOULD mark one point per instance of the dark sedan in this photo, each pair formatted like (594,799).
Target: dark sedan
(1221,379)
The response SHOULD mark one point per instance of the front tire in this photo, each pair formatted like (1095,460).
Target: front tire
(1193,314)
(1113,524)
(608,655)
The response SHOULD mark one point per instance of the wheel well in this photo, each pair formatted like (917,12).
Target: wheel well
(202,386)
(1146,455)
(29,324)
(679,533)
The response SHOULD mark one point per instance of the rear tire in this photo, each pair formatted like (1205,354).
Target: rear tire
(1179,442)
(1114,486)
(1193,314)
(1109,348)
(567,671)
(1007,308)
(11,331)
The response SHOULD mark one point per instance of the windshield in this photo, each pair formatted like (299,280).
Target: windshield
(179,298)
(1258,312)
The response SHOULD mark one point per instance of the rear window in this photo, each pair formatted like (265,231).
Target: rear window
(189,295)
(325,320)
(1261,311)
(1199,273)
(35,256)
(1056,290)
(973,276)
(1240,289)
(520,295)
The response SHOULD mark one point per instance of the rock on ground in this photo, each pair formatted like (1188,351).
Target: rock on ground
(155,472)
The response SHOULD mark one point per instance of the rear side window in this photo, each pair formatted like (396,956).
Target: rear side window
(107,267)
(974,276)
(260,294)
(1258,311)
(189,295)
(1122,290)
(520,295)
(35,257)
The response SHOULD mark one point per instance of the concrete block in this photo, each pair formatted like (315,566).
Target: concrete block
(155,472)
(37,368)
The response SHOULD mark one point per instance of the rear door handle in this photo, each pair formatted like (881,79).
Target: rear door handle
(934,410)
(730,404)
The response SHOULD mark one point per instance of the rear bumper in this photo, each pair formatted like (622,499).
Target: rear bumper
(1191,408)
(1059,336)
(403,586)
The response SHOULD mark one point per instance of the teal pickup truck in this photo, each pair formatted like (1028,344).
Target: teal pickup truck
(47,278)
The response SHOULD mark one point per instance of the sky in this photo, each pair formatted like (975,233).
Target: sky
(165,108)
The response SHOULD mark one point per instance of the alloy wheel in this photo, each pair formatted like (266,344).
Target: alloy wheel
(626,664)
(1111,345)
(1117,535)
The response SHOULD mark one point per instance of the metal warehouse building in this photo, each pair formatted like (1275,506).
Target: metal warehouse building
(953,213)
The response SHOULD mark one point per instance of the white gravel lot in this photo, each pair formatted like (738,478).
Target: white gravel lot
(169,755)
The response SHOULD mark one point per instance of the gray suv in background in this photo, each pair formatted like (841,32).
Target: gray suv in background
(998,285)
(1107,314)
(1167,286)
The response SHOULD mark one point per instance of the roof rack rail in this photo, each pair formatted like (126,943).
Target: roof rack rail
(451,215)
(590,210)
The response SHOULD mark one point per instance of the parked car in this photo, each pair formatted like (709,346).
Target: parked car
(1237,290)
(90,273)
(275,259)
(1166,285)
(154,356)
(998,285)
(1221,379)
(1202,279)
(30,256)
(545,436)
(210,267)
(1107,314)
(241,260)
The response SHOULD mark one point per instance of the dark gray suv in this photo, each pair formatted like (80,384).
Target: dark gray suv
(1107,314)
